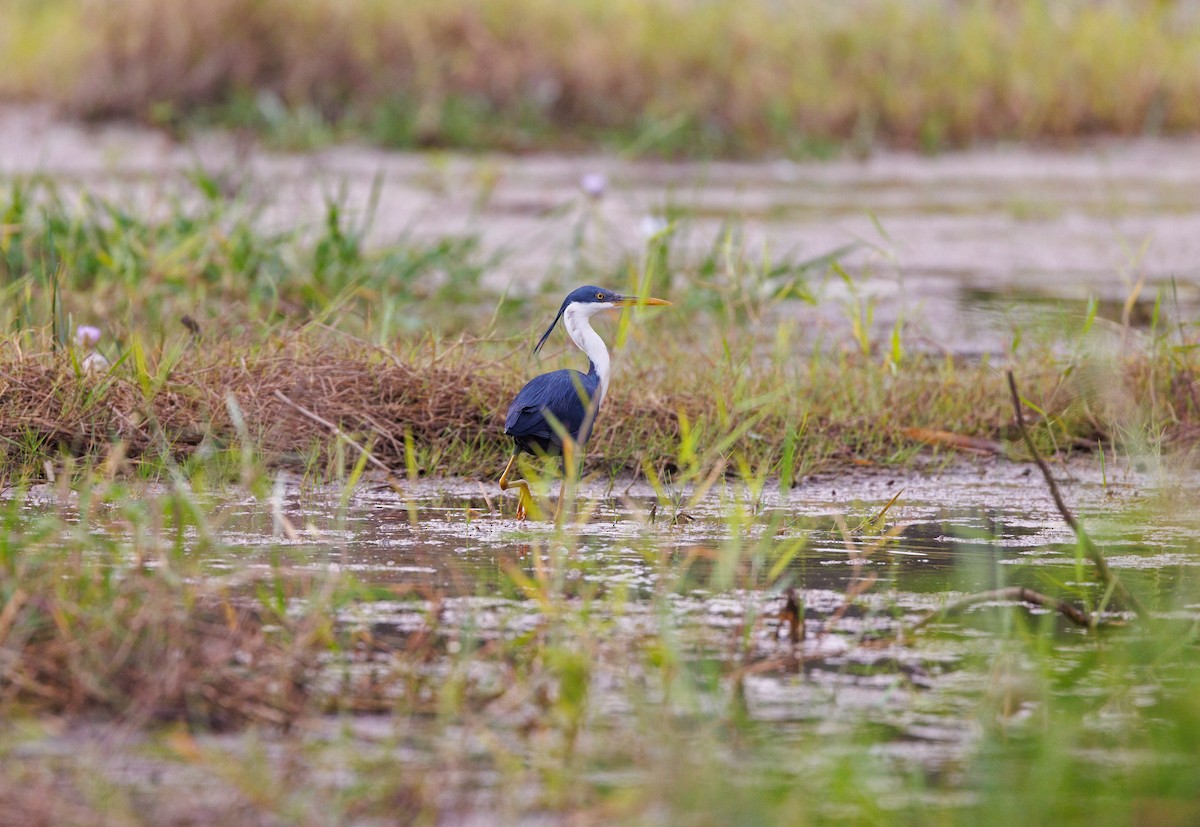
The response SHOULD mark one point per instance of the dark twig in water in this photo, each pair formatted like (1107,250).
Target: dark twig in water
(1110,580)
(793,615)
(1017,593)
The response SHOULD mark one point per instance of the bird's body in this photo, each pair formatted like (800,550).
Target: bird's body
(568,392)
(554,413)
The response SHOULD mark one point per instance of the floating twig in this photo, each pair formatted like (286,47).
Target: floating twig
(1018,594)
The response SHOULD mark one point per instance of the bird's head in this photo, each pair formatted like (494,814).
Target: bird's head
(590,300)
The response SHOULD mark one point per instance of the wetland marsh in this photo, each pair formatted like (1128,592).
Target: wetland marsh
(215,609)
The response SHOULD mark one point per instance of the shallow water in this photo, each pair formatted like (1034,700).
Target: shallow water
(951,532)
(441,560)
(443,534)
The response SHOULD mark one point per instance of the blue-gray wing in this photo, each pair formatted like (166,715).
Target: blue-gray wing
(563,393)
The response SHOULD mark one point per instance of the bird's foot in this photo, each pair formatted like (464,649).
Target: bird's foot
(527,507)
(525,504)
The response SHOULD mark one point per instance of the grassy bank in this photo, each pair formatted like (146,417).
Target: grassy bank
(664,77)
(437,411)
(222,337)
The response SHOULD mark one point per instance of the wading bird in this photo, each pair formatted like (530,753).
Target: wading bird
(554,413)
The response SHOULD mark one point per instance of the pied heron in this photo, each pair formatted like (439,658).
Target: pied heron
(555,412)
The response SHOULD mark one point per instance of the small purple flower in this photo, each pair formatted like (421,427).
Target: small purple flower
(593,184)
(87,336)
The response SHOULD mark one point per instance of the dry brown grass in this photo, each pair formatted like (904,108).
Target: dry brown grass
(450,407)
(446,408)
(150,651)
(41,395)
(725,76)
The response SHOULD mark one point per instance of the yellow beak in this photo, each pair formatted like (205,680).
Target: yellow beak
(640,301)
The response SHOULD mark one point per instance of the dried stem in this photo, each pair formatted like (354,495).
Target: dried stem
(1093,551)
(1017,593)
(335,430)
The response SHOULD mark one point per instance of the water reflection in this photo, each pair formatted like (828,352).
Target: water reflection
(969,535)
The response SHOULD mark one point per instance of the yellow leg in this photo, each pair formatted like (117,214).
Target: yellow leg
(525,504)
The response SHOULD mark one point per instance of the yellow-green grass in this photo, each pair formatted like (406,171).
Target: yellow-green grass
(679,77)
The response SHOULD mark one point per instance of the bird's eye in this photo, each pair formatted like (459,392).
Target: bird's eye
(600,296)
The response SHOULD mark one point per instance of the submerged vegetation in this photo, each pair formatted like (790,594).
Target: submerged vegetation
(666,77)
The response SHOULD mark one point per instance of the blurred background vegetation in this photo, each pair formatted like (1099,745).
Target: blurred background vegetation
(661,77)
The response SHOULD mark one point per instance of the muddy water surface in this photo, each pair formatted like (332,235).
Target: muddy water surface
(440,534)
(442,561)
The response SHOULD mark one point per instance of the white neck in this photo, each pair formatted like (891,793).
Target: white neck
(575,319)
